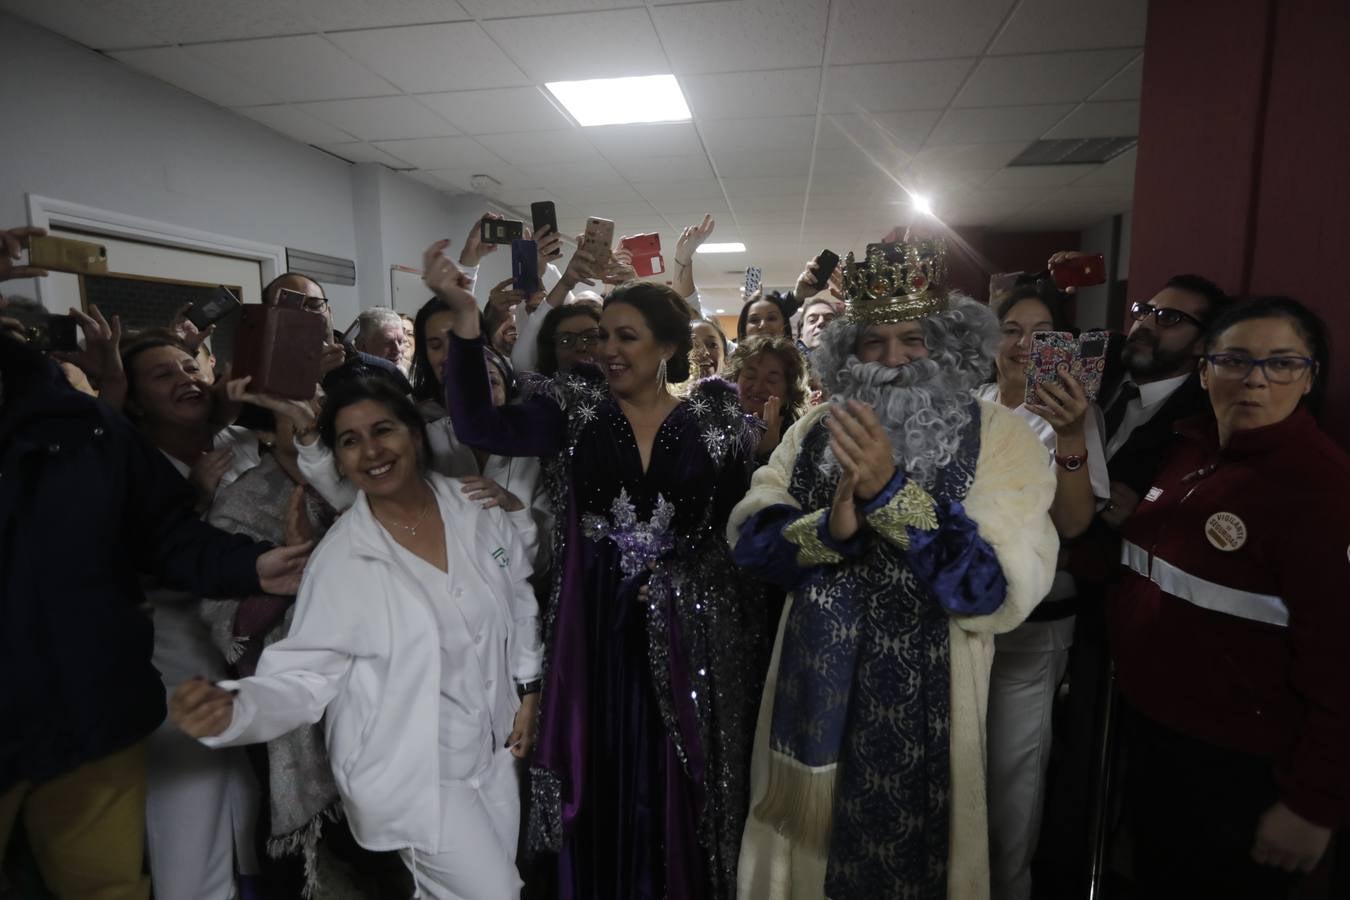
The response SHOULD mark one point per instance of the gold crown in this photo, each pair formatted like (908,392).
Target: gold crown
(900,282)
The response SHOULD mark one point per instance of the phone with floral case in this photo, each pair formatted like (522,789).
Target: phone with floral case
(1084,354)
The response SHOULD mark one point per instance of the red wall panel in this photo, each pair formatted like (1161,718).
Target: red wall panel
(1302,217)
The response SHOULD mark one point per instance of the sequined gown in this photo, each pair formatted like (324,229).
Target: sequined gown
(641,767)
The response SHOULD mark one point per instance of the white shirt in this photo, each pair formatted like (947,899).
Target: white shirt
(1151,398)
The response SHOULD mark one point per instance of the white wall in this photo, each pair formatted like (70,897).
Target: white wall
(82,128)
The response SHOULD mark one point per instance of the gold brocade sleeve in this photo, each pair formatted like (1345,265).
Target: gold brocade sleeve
(804,532)
(911,506)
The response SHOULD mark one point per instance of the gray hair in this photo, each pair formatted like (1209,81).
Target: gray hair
(924,406)
(373,319)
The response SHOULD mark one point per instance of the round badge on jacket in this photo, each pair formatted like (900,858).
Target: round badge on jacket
(1226,531)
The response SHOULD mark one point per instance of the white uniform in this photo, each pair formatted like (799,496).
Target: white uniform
(1029,663)
(201,808)
(413,671)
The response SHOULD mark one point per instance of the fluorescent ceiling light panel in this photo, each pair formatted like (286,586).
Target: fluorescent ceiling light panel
(737,247)
(622,101)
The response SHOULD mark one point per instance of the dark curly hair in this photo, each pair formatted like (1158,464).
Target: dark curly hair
(666,314)
(794,366)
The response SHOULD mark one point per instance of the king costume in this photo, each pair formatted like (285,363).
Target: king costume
(867,775)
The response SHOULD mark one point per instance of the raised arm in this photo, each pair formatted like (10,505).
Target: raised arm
(537,426)
(690,240)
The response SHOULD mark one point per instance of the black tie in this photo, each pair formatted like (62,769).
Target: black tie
(1116,413)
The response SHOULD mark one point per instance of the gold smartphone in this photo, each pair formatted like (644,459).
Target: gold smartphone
(598,240)
(60,254)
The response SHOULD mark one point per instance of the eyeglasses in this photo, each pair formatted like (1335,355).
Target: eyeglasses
(567,340)
(1277,369)
(314,304)
(1166,317)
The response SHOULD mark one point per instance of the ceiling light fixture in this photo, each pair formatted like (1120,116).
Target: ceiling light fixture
(922,205)
(736,247)
(622,101)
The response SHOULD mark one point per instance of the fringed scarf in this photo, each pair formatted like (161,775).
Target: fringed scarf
(859,764)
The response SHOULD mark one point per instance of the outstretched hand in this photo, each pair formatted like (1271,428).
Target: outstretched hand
(692,238)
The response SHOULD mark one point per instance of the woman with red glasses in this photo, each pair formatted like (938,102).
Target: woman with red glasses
(1228,625)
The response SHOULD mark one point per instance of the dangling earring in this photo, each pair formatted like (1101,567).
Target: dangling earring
(661,373)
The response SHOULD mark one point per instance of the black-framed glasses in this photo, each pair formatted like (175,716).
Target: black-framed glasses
(314,304)
(581,339)
(1277,369)
(1166,318)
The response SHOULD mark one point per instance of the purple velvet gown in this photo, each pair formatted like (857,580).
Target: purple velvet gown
(641,766)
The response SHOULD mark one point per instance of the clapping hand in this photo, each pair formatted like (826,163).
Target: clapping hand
(772,417)
(860,443)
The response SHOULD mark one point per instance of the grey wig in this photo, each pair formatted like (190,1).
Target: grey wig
(925,405)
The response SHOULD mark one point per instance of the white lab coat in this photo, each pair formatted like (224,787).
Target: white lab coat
(364,654)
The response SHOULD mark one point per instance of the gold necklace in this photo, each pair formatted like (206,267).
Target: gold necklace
(411,529)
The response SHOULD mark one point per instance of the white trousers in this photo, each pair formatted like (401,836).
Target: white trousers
(1029,663)
(480,826)
(201,805)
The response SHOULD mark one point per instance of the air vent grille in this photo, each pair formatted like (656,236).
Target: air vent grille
(323,269)
(1074,151)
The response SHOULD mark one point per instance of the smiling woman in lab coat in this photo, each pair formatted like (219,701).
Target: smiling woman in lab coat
(416,633)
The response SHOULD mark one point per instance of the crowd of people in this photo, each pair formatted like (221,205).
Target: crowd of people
(567,593)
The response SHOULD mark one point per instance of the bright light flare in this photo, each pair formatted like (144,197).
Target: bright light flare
(922,204)
(736,247)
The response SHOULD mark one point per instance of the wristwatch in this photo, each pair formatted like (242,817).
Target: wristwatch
(1071,463)
(530,687)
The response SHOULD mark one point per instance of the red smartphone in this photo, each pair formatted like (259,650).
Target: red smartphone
(1079,271)
(646,251)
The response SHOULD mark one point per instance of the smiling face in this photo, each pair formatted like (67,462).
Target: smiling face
(892,345)
(504,338)
(1014,348)
(628,351)
(1154,352)
(375,450)
(575,342)
(707,352)
(761,377)
(765,318)
(168,388)
(1254,401)
(386,342)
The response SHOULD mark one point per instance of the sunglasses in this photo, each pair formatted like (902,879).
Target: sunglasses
(1166,318)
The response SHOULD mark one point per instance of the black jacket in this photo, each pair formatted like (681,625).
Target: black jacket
(86,507)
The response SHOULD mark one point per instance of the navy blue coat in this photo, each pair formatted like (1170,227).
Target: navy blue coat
(86,508)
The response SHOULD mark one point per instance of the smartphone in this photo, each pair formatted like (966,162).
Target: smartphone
(1049,351)
(501,231)
(1079,271)
(598,241)
(545,214)
(1089,365)
(525,266)
(205,313)
(646,252)
(352,331)
(45,332)
(60,254)
(826,262)
(754,276)
(288,299)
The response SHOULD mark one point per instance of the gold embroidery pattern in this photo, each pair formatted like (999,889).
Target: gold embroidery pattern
(911,506)
(811,550)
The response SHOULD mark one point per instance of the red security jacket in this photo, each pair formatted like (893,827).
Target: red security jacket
(1232,620)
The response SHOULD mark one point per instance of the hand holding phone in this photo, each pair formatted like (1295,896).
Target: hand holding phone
(544,214)
(525,266)
(1084,355)
(207,312)
(645,250)
(58,254)
(753,279)
(501,231)
(598,241)
(1078,270)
